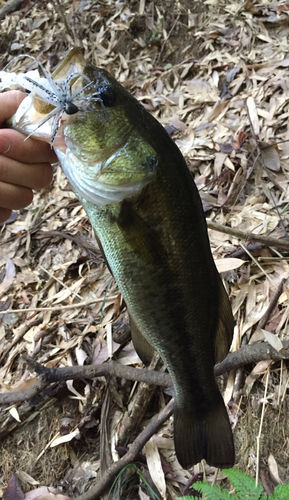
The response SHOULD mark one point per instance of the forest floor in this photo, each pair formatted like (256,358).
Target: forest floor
(216,75)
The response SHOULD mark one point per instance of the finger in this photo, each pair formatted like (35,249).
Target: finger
(14,197)
(13,145)
(4,214)
(33,176)
(10,102)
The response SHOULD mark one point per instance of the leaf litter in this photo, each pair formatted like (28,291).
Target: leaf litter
(216,75)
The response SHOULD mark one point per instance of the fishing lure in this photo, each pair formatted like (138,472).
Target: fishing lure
(59,95)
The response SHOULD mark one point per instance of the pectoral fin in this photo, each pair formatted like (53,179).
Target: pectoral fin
(143,239)
(225,329)
(143,349)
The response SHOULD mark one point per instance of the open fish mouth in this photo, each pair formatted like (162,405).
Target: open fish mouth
(92,185)
(60,104)
(53,98)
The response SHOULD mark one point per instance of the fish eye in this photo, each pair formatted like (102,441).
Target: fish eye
(107,95)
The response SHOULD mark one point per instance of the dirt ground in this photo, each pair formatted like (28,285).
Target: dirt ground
(193,65)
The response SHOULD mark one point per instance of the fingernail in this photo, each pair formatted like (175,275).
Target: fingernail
(4,145)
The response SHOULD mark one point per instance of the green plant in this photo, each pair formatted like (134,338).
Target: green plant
(245,488)
(113,490)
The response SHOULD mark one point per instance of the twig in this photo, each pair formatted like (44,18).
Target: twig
(169,34)
(110,368)
(243,356)
(260,427)
(264,320)
(63,17)
(265,240)
(60,282)
(256,262)
(58,308)
(18,337)
(137,406)
(135,448)
(26,394)
(251,354)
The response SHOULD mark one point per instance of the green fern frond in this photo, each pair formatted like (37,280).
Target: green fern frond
(188,498)
(212,491)
(244,485)
(281,492)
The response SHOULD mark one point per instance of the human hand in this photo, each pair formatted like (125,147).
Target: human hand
(24,165)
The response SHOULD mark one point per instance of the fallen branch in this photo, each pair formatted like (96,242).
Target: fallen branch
(9,7)
(135,448)
(245,355)
(25,395)
(251,354)
(265,240)
(138,406)
(273,303)
(60,307)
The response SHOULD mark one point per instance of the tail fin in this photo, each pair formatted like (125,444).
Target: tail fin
(209,438)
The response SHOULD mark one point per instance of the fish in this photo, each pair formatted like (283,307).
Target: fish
(145,209)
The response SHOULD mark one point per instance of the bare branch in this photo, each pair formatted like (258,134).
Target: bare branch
(135,448)
(245,355)
(265,240)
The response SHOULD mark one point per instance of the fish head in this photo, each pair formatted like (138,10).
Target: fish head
(103,154)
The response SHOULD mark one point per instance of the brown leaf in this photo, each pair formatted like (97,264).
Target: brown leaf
(270,156)
(250,7)
(13,490)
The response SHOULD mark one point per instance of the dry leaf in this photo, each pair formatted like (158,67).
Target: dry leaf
(155,466)
(259,369)
(65,439)
(228,264)
(14,413)
(217,110)
(142,494)
(69,384)
(23,476)
(13,490)
(270,156)
(273,469)
(273,340)
(253,116)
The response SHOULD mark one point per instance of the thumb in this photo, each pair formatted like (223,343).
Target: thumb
(10,102)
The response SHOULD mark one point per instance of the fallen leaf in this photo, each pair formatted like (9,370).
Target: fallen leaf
(65,439)
(13,490)
(44,493)
(224,265)
(270,156)
(259,369)
(273,340)
(155,466)
(273,469)
(253,115)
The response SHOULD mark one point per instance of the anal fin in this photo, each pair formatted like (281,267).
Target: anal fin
(225,330)
(143,348)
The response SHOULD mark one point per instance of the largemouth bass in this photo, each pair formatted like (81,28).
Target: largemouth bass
(143,204)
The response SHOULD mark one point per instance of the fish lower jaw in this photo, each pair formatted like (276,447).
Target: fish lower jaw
(96,192)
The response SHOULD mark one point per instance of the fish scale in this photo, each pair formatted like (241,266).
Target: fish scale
(143,204)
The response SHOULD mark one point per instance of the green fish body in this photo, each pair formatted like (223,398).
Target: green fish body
(144,206)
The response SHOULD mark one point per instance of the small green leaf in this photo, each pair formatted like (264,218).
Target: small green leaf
(244,485)
(188,498)
(212,491)
(281,492)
